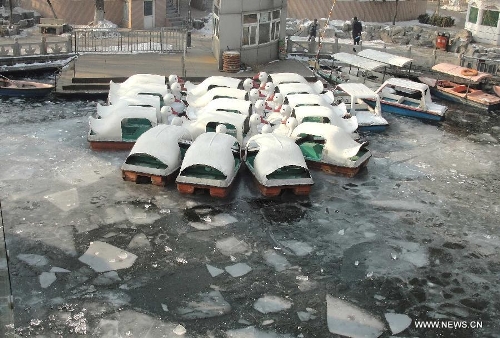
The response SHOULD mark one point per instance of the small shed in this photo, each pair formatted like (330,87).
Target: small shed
(483,21)
(254,28)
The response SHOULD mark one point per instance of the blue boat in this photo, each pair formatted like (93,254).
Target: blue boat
(20,88)
(408,98)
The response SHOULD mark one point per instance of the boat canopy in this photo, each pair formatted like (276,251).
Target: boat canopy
(295,100)
(163,137)
(216,81)
(402,84)
(360,91)
(456,71)
(301,88)
(280,78)
(274,152)
(391,59)
(214,150)
(358,61)
(339,147)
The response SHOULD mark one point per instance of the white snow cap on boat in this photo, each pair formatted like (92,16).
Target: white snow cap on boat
(339,147)
(118,91)
(295,100)
(223,104)
(110,129)
(334,114)
(275,152)
(214,150)
(137,79)
(203,100)
(216,81)
(301,88)
(160,142)
(280,78)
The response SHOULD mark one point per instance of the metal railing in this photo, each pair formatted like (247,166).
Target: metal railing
(104,40)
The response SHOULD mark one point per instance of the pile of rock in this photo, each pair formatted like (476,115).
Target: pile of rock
(460,40)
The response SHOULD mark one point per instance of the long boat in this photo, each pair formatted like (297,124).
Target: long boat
(21,88)
(408,98)
(462,87)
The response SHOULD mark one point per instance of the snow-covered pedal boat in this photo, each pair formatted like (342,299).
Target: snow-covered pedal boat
(211,163)
(330,149)
(208,122)
(277,164)
(300,88)
(120,129)
(157,155)
(351,96)
(327,114)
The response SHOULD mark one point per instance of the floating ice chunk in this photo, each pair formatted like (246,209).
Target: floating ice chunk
(305,316)
(277,261)
(298,248)
(65,200)
(349,320)
(267,322)
(393,255)
(397,322)
(210,304)
(369,234)
(164,307)
(46,279)
(137,215)
(269,304)
(33,259)
(231,245)
(107,278)
(114,215)
(57,269)
(140,242)
(238,269)
(341,232)
(103,257)
(214,221)
(252,332)
(214,272)
(180,330)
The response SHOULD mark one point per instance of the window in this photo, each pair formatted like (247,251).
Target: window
(259,28)
(474,11)
(490,18)
(148,8)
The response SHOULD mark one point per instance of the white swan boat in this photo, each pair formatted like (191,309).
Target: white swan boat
(120,129)
(277,164)
(208,122)
(217,81)
(214,93)
(211,163)
(352,97)
(330,149)
(157,155)
(237,106)
(297,100)
(301,88)
(331,115)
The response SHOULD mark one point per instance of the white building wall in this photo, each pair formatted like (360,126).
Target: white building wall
(481,33)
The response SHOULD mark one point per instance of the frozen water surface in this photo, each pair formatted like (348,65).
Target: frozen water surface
(238,269)
(421,222)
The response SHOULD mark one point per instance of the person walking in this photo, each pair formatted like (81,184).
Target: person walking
(313,29)
(357,28)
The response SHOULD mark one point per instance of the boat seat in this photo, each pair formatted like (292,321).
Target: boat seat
(460,89)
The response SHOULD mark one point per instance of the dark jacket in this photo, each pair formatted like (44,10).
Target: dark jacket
(357,28)
(313,28)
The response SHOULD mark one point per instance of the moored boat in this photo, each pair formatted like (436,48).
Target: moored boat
(21,88)
(276,164)
(408,98)
(463,88)
(211,163)
(330,149)
(352,96)
(157,155)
